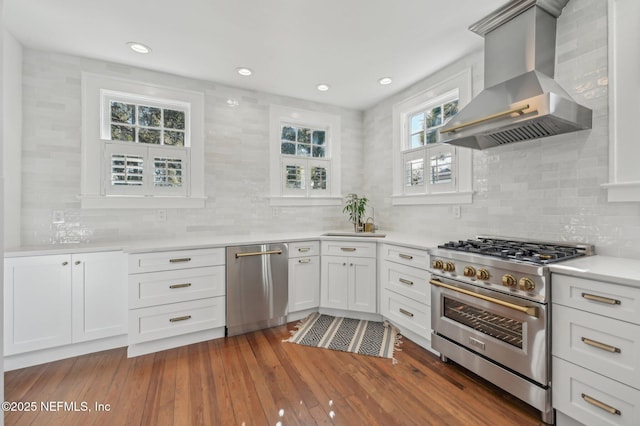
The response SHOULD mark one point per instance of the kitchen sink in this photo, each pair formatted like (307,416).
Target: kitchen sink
(353,234)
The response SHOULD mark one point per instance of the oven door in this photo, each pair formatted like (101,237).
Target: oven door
(507,330)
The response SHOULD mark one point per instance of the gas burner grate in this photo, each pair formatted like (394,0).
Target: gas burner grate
(532,252)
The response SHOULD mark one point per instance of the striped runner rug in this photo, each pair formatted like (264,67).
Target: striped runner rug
(363,337)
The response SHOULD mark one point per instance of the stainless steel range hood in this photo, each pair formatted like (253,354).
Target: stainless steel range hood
(521,100)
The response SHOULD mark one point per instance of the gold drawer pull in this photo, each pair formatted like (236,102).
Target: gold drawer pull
(348,248)
(176,319)
(599,345)
(180,285)
(405,256)
(307,260)
(180,260)
(609,409)
(407,313)
(601,299)
(304,249)
(407,282)
(258,253)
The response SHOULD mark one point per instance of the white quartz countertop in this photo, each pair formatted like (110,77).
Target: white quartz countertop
(171,244)
(603,268)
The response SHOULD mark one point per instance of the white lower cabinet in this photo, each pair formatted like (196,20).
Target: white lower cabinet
(596,349)
(57,300)
(405,292)
(99,290)
(304,276)
(348,282)
(175,298)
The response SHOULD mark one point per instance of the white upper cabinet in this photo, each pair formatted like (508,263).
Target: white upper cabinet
(624,92)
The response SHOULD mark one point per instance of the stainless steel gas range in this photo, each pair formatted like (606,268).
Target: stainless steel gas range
(490,311)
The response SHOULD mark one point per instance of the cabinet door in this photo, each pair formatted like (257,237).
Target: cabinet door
(304,283)
(334,282)
(362,284)
(99,295)
(37,303)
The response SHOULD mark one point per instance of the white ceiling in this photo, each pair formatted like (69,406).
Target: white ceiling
(292,45)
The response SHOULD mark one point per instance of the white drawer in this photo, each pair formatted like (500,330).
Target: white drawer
(578,337)
(576,390)
(158,322)
(618,301)
(169,260)
(407,281)
(159,288)
(406,256)
(304,249)
(405,312)
(349,248)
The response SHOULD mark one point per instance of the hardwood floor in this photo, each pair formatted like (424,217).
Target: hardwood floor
(256,379)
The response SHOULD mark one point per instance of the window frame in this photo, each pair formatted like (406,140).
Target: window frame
(95,174)
(279,194)
(459,190)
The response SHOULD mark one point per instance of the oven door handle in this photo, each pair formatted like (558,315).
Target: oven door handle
(529,310)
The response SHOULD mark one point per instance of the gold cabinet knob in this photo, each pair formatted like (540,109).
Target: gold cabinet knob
(509,280)
(482,274)
(469,271)
(437,264)
(526,284)
(449,267)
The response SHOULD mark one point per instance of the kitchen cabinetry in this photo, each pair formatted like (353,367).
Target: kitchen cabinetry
(405,296)
(348,276)
(304,277)
(624,67)
(596,342)
(57,300)
(175,298)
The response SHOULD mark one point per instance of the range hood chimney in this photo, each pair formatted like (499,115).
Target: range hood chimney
(521,100)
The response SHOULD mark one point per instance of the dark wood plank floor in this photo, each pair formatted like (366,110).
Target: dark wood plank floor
(256,379)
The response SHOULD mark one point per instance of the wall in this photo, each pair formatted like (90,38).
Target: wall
(12,135)
(545,189)
(236,161)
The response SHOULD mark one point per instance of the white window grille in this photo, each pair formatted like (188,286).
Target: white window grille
(302,143)
(426,171)
(138,145)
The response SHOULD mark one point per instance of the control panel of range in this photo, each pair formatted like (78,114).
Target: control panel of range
(505,280)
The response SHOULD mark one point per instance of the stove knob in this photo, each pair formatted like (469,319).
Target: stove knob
(483,274)
(437,264)
(449,267)
(469,271)
(509,280)
(526,284)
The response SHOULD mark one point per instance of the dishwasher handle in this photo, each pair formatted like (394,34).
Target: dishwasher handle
(258,253)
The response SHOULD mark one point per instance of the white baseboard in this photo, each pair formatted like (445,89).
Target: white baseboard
(28,359)
(144,348)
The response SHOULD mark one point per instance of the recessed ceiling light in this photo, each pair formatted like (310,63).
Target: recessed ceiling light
(244,71)
(232,103)
(385,80)
(322,87)
(138,47)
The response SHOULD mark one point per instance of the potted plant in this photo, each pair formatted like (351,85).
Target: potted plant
(355,207)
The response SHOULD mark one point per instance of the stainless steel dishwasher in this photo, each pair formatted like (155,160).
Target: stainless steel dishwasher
(257,287)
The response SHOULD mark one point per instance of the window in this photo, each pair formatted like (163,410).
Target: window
(146,145)
(303,169)
(142,144)
(425,170)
